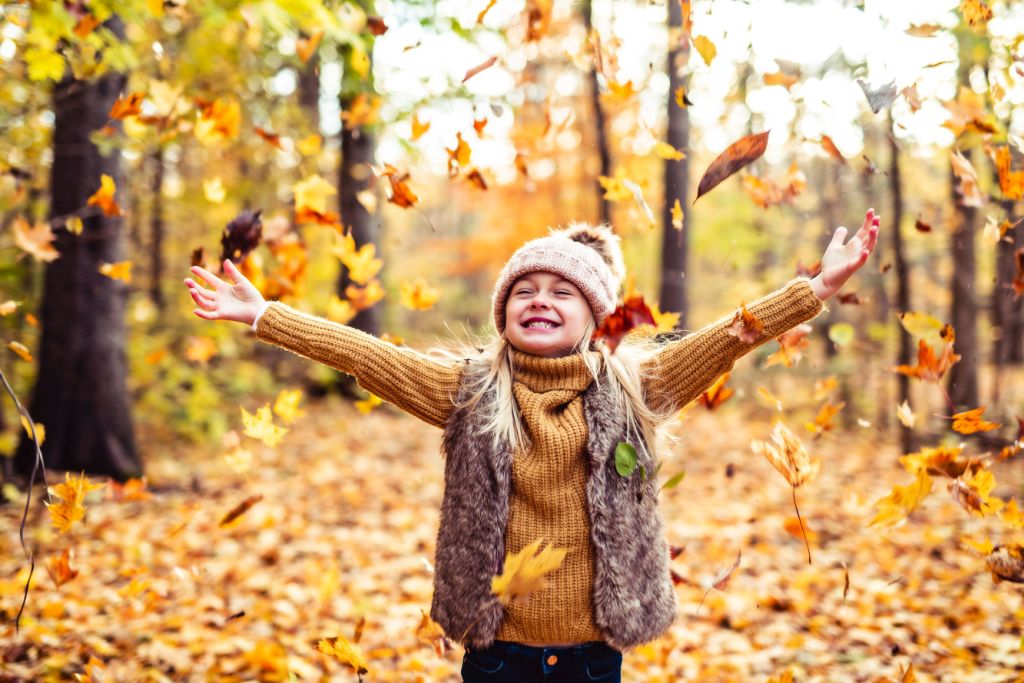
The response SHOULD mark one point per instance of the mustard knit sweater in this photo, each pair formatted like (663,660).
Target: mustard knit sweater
(548,498)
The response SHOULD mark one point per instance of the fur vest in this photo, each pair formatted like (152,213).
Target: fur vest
(633,596)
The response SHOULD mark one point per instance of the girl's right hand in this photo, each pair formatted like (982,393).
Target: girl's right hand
(240,301)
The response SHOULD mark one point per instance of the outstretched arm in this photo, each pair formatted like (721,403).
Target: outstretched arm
(408,379)
(685,368)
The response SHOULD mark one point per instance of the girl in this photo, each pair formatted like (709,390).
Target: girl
(531,423)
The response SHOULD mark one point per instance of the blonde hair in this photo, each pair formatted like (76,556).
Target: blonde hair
(623,371)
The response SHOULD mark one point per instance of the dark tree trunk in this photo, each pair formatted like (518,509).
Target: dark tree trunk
(674,243)
(905,343)
(309,91)
(600,128)
(80,393)
(1005,311)
(963,377)
(156,247)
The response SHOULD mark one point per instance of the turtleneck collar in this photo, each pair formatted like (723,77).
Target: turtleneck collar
(539,373)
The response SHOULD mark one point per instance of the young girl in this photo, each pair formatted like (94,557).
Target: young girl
(531,424)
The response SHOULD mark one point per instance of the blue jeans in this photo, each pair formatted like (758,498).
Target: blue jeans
(506,662)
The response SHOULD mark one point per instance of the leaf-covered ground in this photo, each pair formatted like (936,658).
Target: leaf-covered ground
(345,528)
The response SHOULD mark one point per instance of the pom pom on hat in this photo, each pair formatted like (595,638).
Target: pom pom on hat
(587,255)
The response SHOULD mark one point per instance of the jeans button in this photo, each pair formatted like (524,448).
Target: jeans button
(552,660)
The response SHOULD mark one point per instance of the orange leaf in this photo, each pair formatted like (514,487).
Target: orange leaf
(1011,183)
(929,367)
(60,569)
(71,493)
(104,197)
(746,326)
(418,127)
(717,393)
(272,138)
(833,151)
(632,313)
(779,78)
(37,240)
(739,154)
(305,47)
(127,106)
(969,422)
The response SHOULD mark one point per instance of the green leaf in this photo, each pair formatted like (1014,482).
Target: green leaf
(841,333)
(674,481)
(625,459)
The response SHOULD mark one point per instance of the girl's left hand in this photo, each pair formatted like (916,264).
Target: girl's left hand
(843,260)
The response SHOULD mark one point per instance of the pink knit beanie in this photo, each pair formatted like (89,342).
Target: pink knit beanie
(589,256)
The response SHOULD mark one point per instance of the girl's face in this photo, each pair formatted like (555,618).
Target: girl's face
(546,315)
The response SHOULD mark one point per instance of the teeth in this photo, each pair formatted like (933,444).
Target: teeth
(537,323)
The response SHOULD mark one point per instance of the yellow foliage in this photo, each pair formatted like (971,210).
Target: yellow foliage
(788,455)
(261,426)
(286,406)
(71,493)
(418,295)
(122,270)
(312,193)
(705,48)
(524,572)
(903,500)
(363,265)
(345,652)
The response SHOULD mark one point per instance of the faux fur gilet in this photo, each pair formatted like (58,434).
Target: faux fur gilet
(633,598)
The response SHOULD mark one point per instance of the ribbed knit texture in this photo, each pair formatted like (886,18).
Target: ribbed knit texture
(548,499)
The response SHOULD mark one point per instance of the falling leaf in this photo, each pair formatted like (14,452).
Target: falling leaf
(363,265)
(36,240)
(970,422)
(219,121)
(309,145)
(122,270)
(261,426)
(213,190)
(240,509)
(365,297)
(376,26)
(401,195)
(926,327)
(968,113)
(792,343)
(366,405)
(286,406)
(312,193)
(1011,183)
(418,127)
(621,92)
(906,415)
(524,572)
(418,295)
(39,428)
(632,313)
(1007,563)
(479,67)
(787,81)
(306,46)
(667,151)
(74,225)
(21,350)
(902,501)
(923,30)
(823,420)
(430,633)
(975,12)
(717,393)
(681,99)
(345,652)
(272,139)
(739,154)
(476,178)
(705,48)
(878,98)
(9,306)
(1012,516)
(363,110)
(459,156)
(745,326)
(833,151)
(132,490)
(967,192)
(127,106)
(104,197)
(929,366)
(787,454)
(485,10)
(60,570)
(721,579)
(769,398)
(677,215)
(241,237)
(340,310)
(71,493)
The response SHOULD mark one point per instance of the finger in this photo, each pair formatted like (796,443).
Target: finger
(202,301)
(207,276)
(869,219)
(872,238)
(838,237)
(205,315)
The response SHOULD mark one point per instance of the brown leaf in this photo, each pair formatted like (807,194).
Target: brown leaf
(739,154)
(628,315)
(722,578)
(833,151)
(717,393)
(479,67)
(746,326)
(240,509)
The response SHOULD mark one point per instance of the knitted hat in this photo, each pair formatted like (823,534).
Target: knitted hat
(589,256)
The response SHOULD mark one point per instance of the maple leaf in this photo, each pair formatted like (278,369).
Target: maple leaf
(970,422)
(127,106)
(132,490)
(401,195)
(717,393)
(823,421)
(632,313)
(418,127)
(929,367)
(345,652)
(59,568)
(792,343)
(968,113)
(972,492)
(36,240)
(286,406)
(939,461)
(1011,183)
(667,151)
(364,297)
(362,264)
(362,111)
(967,191)
(745,326)
(429,632)
(239,510)
(70,509)
(620,92)
(261,426)
(1012,516)
(305,46)
(122,270)
(312,193)
(736,156)
(902,500)
(340,310)
(525,572)
(614,187)
(219,121)
(418,295)
(975,12)
(104,197)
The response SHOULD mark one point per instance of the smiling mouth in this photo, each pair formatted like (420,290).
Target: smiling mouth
(540,325)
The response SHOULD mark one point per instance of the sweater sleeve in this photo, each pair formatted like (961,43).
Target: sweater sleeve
(406,378)
(686,367)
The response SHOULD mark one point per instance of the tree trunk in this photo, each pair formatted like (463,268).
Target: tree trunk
(80,393)
(963,377)
(1005,311)
(156,247)
(600,128)
(674,243)
(904,347)
(309,91)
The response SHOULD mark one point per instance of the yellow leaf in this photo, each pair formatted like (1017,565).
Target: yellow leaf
(664,322)
(1012,516)
(677,215)
(418,295)
(368,404)
(788,455)
(779,78)
(902,501)
(620,92)
(706,48)
(771,399)
(219,121)
(906,415)
(71,493)
(614,187)
(122,270)
(346,652)
(681,98)
(365,297)
(363,265)
(922,326)
(981,545)
(970,422)
(362,111)
(213,190)
(823,421)
(74,225)
(309,145)
(418,127)
(104,197)
(312,193)
(976,13)
(286,406)
(360,62)
(199,349)
(667,151)
(40,430)
(524,572)
(21,350)
(340,310)
(44,64)
(59,568)
(36,240)
(261,426)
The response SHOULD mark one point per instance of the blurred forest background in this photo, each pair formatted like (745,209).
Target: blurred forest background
(376,163)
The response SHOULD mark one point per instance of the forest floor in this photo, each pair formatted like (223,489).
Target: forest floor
(345,529)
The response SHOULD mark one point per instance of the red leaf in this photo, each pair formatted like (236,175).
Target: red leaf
(633,313)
